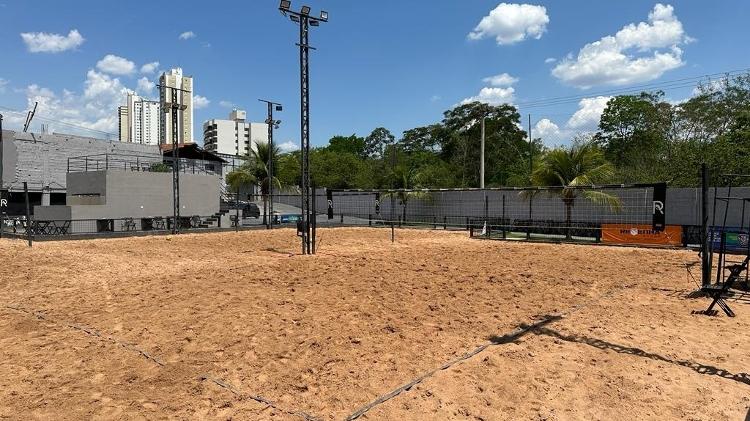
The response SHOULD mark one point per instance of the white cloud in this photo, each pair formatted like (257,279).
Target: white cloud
(149,68)
(226,104)
(3,83)
(589,112)
(95,109)
(145,86)
(187,35)
(550,60)
(512,23)
(116,65)
(493,96)
(435,98)
(500,91)
(200,102)
(502,79)
(288,146)
(636,53)
(42,42)
(546,129)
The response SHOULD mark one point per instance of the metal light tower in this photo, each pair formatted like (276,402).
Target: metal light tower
(174,104)
(304,20)
(272,124)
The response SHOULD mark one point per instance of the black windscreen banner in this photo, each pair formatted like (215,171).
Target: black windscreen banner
(329,196)
(660,206)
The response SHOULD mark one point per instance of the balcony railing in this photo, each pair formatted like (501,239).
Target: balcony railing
(153,163)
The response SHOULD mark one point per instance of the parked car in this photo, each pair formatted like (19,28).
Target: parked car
(249,209)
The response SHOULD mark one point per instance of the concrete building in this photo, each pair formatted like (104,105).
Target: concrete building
(123,123)
(234,136)
(119,198)
(140,121)
(41,160)
(174,85)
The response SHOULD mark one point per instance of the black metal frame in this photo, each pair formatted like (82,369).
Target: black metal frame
(304,20)
(272,124)
(723,283)
(175,106)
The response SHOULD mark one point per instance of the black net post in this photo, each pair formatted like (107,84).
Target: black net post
(705,240)
(29,223)
(503,221)
(486,215)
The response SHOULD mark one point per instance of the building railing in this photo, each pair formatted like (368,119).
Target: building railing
(63,227)
(153,163)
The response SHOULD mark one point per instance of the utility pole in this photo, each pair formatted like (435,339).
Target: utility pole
(272,124)
(481,165)
(531,152)
(304,20)
(175,104)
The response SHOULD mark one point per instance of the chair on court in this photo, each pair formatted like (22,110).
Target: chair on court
(717,291)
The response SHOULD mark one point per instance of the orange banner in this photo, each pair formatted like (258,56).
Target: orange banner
(641,234)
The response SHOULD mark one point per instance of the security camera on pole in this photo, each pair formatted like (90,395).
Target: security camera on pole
(304,20)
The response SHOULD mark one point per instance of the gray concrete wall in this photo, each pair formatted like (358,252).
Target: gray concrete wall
(122,194)
(41,160)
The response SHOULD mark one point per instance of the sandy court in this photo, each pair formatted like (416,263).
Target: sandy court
(222,325)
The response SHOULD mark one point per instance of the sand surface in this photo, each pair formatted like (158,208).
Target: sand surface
(239,326)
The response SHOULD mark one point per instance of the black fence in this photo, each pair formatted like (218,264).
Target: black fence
(585,213)
(154,163)
(18,225)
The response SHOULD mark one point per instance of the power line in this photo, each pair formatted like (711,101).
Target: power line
(59,122)
(665,85)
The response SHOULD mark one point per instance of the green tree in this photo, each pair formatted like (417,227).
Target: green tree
(255,170)
(633,132)
(505,142)
(377,141)
(353,144)
(582,164)
(405,178)
(339,170)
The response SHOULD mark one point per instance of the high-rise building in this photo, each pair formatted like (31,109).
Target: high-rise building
(139,121)
(173,84)
(123,123)
(145,124)
(234,136)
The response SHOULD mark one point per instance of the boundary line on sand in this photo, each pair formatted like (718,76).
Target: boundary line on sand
(514,335)
(133,348)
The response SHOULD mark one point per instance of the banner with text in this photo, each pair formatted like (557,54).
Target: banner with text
(641,234)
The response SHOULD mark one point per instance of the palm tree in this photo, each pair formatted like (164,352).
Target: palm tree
(406,178)
(582,164)
(255,170)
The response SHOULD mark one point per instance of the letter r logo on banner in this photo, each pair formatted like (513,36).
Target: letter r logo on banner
(658,207)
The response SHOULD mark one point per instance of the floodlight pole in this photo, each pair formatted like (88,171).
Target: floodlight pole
(481,165)
(271,123)
(305,21)
(175,105)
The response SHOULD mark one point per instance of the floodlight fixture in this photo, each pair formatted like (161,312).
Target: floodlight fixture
(314,23)
(294,18)
(305,10)
(279,108)
(324,16)
(285,5)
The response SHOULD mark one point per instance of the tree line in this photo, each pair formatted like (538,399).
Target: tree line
(640,138)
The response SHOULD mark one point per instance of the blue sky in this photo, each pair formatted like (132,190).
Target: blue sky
(389,63)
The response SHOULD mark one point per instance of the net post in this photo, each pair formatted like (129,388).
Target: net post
(503,220)
(29,223)
(705,240)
